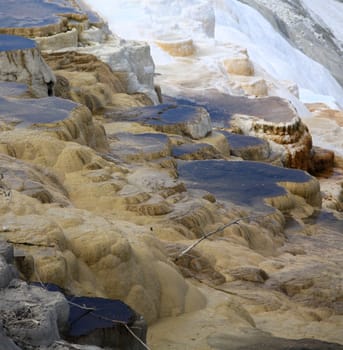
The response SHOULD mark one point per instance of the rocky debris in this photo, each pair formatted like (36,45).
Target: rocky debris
(6,342)
(21,61)
(302,284)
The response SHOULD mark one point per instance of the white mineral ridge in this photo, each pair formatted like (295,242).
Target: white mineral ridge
(233,22)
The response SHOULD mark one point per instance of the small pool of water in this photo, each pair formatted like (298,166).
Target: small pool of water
(241,182)
(14,42)
(25,112)
(33,13)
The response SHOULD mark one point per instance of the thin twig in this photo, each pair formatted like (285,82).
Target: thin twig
(32,244)
(206,235)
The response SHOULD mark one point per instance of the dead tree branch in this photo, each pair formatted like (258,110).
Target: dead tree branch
(219,229)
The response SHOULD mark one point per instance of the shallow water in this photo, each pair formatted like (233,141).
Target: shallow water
(26,13)
(25,112)
(244,183)
(14,42)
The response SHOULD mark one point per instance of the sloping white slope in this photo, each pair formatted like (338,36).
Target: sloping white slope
(234,23)
(330,12)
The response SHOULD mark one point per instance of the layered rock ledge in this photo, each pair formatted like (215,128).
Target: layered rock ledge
(95,199)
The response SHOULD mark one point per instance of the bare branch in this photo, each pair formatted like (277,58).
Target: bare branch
(206,235)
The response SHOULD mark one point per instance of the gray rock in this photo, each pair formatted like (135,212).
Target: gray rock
(293,21)
(32,316)
(6,343)
(261,341)
(7,251)
(7,273)
(24,63)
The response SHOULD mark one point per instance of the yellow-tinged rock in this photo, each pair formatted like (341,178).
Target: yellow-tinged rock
(176,46)
(239,65)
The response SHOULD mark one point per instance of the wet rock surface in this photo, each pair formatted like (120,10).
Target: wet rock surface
(271,118)
(248,147)
(185,120)
(245,183)
(26,112)
(41,19)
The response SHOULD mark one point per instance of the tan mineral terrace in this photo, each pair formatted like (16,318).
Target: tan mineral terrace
(103,191)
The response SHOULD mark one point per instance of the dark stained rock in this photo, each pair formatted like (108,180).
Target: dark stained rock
(322,160)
